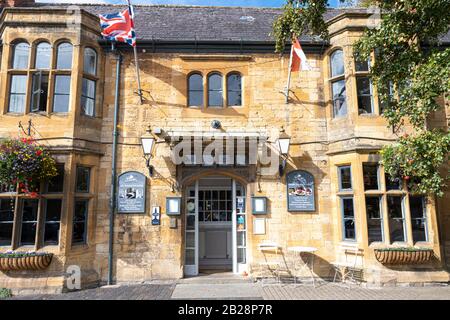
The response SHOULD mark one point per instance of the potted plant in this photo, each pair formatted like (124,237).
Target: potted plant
(11,260)
(24,164)
(403,255)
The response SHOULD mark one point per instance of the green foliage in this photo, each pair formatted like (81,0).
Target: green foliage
(300,17)
(417,159)
(411,72)
(5,293)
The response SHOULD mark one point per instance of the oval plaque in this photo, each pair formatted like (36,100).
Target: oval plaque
(131,197)
(300,191)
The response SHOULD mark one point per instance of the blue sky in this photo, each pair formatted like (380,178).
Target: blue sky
(240,3)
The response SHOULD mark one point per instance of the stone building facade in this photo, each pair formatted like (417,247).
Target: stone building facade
(197,65)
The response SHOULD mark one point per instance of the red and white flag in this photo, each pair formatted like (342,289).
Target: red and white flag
(299,61)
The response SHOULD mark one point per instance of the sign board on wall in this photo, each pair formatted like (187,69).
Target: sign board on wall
(300,191)
(131,197)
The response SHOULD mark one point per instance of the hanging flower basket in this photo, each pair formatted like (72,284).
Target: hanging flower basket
(24,164)
(403,255)
(10,261)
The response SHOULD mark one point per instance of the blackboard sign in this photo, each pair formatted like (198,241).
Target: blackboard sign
(131,198)
(300,191)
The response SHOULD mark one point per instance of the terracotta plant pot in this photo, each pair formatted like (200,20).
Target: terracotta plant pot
(398,256)
(38,262)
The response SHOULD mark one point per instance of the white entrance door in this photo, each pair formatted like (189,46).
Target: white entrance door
(191,234)
(239,230)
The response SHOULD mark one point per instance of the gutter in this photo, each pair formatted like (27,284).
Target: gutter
(216,46)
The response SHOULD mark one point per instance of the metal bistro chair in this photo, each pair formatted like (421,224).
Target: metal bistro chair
(349,269)
(271,265)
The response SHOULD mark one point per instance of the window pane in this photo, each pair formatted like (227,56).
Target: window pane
(56,184)
(64,58)
(52,221)
(88,97)
(43,53)
(215,96)
(215,99)
(234,87)
(396,218)
(196,98)
(90,61)
(374,219)
(61,97)
(345,176)
(6,221)
(40,92)
(364,88)
(361,65)
(347,208)
(392,183)
(21,55)
(79,221)
(196,82)
(53,210)
(337,63)
(370,175)
(29,221)
(17,93)
(83,177)
(418,218)
(348,217)
(339,98)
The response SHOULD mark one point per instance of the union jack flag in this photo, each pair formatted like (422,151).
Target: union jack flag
(119,26)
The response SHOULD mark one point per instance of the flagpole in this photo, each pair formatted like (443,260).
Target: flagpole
(137,74)
(289,75)
(136,62)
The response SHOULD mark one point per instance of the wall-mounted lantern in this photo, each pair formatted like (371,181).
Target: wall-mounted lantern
(284,142)
(148,146)
(173,206)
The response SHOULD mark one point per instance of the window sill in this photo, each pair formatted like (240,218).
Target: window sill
(368,115)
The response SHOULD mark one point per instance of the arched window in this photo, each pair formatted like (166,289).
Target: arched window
(64,56)
(21,55)
(90,61)
(337,63)
(89,84)
(234,89)
(338,89)
(43,54)
(215,91)
(195,89)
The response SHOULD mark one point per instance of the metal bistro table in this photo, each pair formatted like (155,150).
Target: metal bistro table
(300,264)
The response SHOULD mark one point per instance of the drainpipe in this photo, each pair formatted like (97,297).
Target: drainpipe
(112,203)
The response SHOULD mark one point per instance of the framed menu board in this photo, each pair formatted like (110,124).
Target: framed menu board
(131,198)
(300,191)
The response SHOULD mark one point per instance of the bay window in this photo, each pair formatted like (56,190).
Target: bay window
(48,79)
(27,221)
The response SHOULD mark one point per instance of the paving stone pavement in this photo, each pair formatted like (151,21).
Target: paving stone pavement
(251,291)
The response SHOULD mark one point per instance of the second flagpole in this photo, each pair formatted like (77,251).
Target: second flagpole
(289,76)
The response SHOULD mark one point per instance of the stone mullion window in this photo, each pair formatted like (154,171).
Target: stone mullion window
(29,219)
(32,78)
(83,205)
(364,87)
(214,90)
(346,203)
(338,84)
(403,216)
(89,82)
